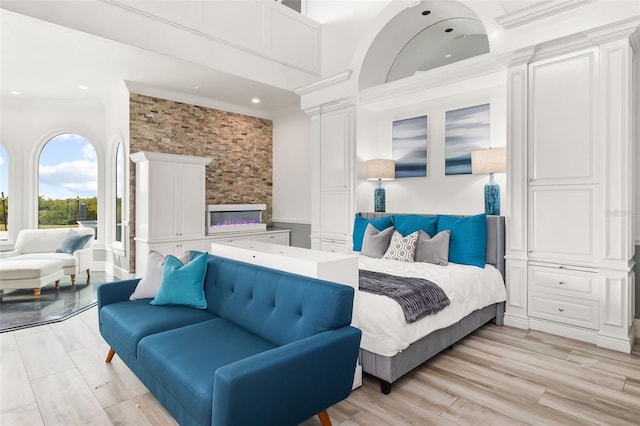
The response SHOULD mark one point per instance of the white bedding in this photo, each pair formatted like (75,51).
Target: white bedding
(384,330)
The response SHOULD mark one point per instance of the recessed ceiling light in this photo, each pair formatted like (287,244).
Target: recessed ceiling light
(83,87)
(448,55)
(448,30)
(15,92)
(255,100)
(426,12)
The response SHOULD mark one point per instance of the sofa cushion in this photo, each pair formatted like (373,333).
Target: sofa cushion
(73,241)
(129,321)
(19,270)
(182,284)
(273,304)
(189,374)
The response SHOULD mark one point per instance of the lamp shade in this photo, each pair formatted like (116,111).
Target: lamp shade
(380,169)
(489,161)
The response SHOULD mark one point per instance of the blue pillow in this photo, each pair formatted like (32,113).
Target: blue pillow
(73,241)
(468,240)
(409,223)
(183,284)
(360,224)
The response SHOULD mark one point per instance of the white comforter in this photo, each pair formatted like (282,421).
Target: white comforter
(384,330)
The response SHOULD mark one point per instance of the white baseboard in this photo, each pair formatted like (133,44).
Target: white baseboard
(514,321)
(116,271)
(98,266)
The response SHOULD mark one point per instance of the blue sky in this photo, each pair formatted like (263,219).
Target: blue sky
(68,168)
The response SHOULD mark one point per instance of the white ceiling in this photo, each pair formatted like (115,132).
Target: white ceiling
(47,61)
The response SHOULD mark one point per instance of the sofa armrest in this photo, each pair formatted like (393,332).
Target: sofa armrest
(9,254)
(116,291)
(85,258)
(288,384)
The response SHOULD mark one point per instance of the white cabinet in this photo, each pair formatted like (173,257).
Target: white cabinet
(570,240)
(170,204)
(333,174)
(270,236)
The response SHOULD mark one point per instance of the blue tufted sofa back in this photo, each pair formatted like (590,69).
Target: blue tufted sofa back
(278,306)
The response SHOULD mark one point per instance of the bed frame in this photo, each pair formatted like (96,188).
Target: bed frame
(390,369)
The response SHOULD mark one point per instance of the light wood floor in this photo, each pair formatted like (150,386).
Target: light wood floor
(56,375)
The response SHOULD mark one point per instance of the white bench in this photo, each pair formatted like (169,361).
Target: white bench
(35,274)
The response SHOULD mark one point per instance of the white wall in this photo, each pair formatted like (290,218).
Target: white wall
(117,131)
(292,168)
(437,193)
(26,126)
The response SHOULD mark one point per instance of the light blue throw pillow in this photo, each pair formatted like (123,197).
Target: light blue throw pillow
(183,284)
(73,241)
(468,240)
(360,224)
(409,223)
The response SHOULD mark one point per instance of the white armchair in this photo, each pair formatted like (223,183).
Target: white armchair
(45,244)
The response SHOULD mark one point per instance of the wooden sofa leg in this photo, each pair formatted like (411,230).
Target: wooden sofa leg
(36,292)
(324,418)
(88,273)
(110,355)
(73,279)
(57,283)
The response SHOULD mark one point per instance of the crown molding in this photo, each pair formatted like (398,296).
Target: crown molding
(172,95)
(538,11)
(623,29)
(325,82)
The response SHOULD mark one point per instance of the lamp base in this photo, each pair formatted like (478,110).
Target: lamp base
(379,199)
(492,198)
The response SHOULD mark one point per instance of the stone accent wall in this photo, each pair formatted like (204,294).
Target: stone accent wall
(240,145)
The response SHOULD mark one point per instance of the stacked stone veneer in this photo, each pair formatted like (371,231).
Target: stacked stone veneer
(240,145)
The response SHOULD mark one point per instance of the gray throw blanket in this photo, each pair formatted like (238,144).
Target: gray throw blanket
(416,296)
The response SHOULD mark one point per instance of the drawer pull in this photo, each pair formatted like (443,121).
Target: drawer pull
(561,309)
(561,283)
(562,267)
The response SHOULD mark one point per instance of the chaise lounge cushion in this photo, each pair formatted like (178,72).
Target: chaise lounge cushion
(190,373)
(20,269)
(66,260)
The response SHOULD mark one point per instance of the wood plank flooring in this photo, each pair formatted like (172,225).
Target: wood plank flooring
(56,375)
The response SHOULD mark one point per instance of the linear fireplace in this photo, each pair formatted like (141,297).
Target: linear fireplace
(223,218)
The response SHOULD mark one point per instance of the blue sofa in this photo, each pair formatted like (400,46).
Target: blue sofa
(272,348)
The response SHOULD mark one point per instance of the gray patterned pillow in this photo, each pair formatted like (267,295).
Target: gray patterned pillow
(433,250)
(402,248)
(375,243)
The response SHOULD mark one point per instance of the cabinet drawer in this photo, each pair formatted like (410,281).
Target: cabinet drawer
(567,310)
(563,281)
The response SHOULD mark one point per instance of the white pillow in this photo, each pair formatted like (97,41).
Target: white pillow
(149,285)
(402,248)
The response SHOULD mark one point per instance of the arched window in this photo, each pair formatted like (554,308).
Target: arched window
(4,196)
(119,192)
(68,183)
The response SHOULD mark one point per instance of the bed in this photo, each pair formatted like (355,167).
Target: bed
(390,347)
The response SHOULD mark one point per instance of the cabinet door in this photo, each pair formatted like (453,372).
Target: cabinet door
(334,140)
(563,96)
(334,215)
(191,202)
(163,206)
(281,238)
(562,224)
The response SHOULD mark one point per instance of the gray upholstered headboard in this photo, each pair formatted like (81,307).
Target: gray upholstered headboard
(495,238)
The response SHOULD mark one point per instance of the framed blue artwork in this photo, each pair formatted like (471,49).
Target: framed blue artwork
(466,130)
(409,147)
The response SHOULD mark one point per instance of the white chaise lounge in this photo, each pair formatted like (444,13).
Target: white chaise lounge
(35,274)
(54,244)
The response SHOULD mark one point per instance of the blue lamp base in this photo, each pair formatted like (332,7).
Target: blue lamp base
(492,197)
(379,198)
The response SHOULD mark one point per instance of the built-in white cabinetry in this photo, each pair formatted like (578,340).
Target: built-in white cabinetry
(170,204)
(333,176)
(271,236)
(570,245)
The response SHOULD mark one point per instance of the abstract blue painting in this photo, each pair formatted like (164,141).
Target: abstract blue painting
(409,147)
(466,130)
